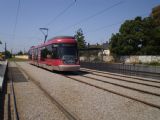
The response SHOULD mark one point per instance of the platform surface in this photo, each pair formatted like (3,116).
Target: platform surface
(3,65)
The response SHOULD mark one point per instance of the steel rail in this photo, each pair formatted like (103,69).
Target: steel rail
(70,115)
(117,93)
(13,93)
(137,78)
(114,92)
(132,72)
(111,91)
(135,89)
(120,79)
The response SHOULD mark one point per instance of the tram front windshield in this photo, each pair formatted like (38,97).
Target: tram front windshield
(67,50)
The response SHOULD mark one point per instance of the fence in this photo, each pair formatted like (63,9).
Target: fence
(120,67)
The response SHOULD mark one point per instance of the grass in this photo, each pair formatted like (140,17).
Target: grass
(153,64)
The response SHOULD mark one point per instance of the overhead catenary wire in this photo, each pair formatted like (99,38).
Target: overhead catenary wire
(94,15)
(107,26)
(113,24)
(61,13)
(16,20)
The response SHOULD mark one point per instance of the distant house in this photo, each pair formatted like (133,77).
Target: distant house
(105,46)
(106,52)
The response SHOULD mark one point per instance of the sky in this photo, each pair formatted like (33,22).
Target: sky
(20,20)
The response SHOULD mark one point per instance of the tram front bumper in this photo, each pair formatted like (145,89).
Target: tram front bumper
(69,67)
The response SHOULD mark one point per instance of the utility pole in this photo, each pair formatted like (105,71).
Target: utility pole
(11,52)
(5,49)
(24,51)
(44,33)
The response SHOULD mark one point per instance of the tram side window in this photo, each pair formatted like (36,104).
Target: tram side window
(35,54)
(49,51)
(52,52)
(55,53)
(43,53)
(30,54)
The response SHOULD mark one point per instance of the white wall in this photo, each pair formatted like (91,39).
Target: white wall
(140,59)
(22,56)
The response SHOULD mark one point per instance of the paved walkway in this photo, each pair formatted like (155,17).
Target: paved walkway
(2,72)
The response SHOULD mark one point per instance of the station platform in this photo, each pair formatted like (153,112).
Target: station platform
(3,66)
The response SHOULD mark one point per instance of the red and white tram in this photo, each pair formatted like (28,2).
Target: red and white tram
(59,53)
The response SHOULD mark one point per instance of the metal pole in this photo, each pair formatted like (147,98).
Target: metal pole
(45,34)
(5,50)
(45,38)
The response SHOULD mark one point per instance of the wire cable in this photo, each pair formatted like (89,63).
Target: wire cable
(107,26)
(61,13)
(16,21)
(113,24)
(94,15)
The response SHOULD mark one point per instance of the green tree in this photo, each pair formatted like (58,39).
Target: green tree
(138,36)
(80,39)
(8,54)
(156,14)
(20,53)
(128,40)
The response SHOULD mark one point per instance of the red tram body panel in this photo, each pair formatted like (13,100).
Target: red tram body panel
(59,53)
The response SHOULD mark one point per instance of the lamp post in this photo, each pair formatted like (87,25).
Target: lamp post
(44,33)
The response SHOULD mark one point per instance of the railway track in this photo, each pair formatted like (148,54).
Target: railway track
(119,75)
(96,82)
(135,73)
(154,84)
(124,86)
(129,72)
(132,80)
(148,96)
(70,115)
(145,96)
(14,113)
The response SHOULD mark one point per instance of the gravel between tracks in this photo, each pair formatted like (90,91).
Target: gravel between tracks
(33,104)
(115,75)
(128,79)
(90,103)
(132,85)
(125,91)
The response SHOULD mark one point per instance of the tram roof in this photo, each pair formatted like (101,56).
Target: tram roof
(61,37)
(57,39)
